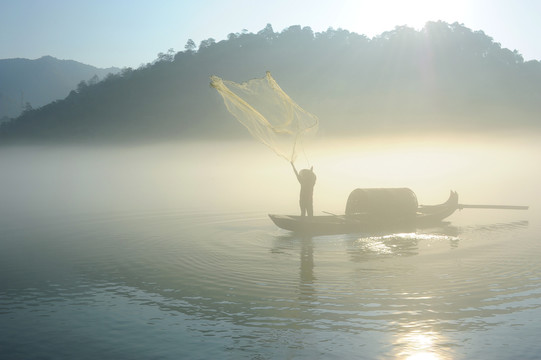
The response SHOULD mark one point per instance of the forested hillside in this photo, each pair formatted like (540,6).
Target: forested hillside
(26,83)
(442,77)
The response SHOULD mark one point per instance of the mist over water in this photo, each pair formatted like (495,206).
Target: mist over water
(247,176)
(166,251)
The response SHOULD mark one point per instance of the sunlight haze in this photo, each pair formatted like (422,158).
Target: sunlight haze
(376,197)
(131,33)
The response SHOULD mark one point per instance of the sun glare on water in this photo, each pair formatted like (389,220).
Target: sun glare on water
(419,345)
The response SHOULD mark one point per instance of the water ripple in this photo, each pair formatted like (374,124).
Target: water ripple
(234,277)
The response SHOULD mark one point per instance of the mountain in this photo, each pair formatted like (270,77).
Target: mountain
(28,83)
(442,77)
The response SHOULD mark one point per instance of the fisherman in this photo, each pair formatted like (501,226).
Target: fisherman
(307,179)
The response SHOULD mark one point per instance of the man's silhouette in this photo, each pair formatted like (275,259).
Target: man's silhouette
(307,179)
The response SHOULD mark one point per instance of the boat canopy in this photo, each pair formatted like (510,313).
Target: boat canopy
(382,201)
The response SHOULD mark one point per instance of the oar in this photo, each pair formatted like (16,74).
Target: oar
(505,207)
(343,217)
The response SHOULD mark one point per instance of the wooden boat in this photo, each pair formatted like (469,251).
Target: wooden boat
(397,218)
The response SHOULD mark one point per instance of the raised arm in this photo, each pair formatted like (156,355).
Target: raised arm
(295,170)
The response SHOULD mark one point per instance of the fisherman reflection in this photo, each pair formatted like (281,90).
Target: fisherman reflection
(307,291)
(307,179)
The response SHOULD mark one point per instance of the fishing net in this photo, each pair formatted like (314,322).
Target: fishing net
(268,113)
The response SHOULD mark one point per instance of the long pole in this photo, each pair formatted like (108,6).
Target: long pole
(505,207)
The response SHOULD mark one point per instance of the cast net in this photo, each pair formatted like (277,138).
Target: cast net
(268,113)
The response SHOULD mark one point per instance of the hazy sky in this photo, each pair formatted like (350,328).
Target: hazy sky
(128,33)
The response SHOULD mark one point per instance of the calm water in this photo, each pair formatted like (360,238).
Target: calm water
(179,265)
